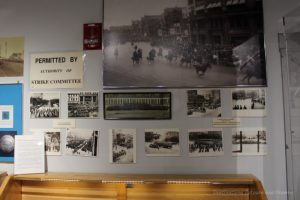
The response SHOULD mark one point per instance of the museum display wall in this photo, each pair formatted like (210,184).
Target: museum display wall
(49,27)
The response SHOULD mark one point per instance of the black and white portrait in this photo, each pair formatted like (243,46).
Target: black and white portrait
(83,104)
(151,105)
(122,146)
(183,43)
(44,105)
(162,142)
(204,103)
(205,142)
(249,102)
(249,141)
(82,142)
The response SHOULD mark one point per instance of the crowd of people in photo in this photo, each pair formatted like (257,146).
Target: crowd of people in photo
(253,105)
(78,145)
(44,111)
(83,110)
(206,146)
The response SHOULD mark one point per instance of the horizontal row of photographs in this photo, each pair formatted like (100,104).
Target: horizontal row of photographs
(247,102)
(158,142)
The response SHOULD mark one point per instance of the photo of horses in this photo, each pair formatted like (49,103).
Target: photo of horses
(249,102)
(249,141)
(205,142)
(183,43)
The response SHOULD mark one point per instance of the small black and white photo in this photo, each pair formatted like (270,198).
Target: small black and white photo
(83,104)
(139,105)
(205,142)
(183,43)
(249,102)
(122,146)
(52,140)
(249,141)
(162,142)
(82,142)
(204,103)
(44,105)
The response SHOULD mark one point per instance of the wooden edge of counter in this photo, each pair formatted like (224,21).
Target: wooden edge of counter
(9,189)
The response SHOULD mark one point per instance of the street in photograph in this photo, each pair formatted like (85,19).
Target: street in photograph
(162,142)
(11,57)
(44,105)
(183,43)
(249,102)
(204,142)
(123,146)
(204,103)
(249,141)
(83,104)
(81,142)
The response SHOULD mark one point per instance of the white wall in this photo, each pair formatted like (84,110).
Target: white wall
(52,26)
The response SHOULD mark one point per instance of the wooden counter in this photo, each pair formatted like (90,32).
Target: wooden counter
(79,186)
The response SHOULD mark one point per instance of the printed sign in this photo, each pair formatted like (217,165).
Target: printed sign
(56,70)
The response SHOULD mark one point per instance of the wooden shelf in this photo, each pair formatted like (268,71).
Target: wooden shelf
(91,186)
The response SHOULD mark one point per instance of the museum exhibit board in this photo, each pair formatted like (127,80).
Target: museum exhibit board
(59,28)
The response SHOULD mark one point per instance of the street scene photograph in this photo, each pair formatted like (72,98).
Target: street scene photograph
(123,146)
(204,103)
(249,102)
(183,43)
(162,142)
(81,142)
(249,141)
(44,105)
(205,142)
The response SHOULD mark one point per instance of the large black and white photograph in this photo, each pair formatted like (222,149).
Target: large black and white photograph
(205,142)
(204,103)
(183,43)
(52,140)
(83,104)
(249,102)
(162,142)
(82,142)
(141,105)
(122,146)
(44,105)
(249,141)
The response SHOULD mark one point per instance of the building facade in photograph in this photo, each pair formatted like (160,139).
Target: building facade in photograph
(221,25)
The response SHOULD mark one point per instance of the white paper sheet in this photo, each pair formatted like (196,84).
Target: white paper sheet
(29,154)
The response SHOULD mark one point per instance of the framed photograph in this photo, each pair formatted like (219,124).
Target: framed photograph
(249,141)
(162,142)
(249,102)
(52,140)
(204,103)
(83,104)
(92,36)
(205,142)
(44,105)
(82,142)
(11,124)
(141,105)
(11,56)
(183,44)
(122,146)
